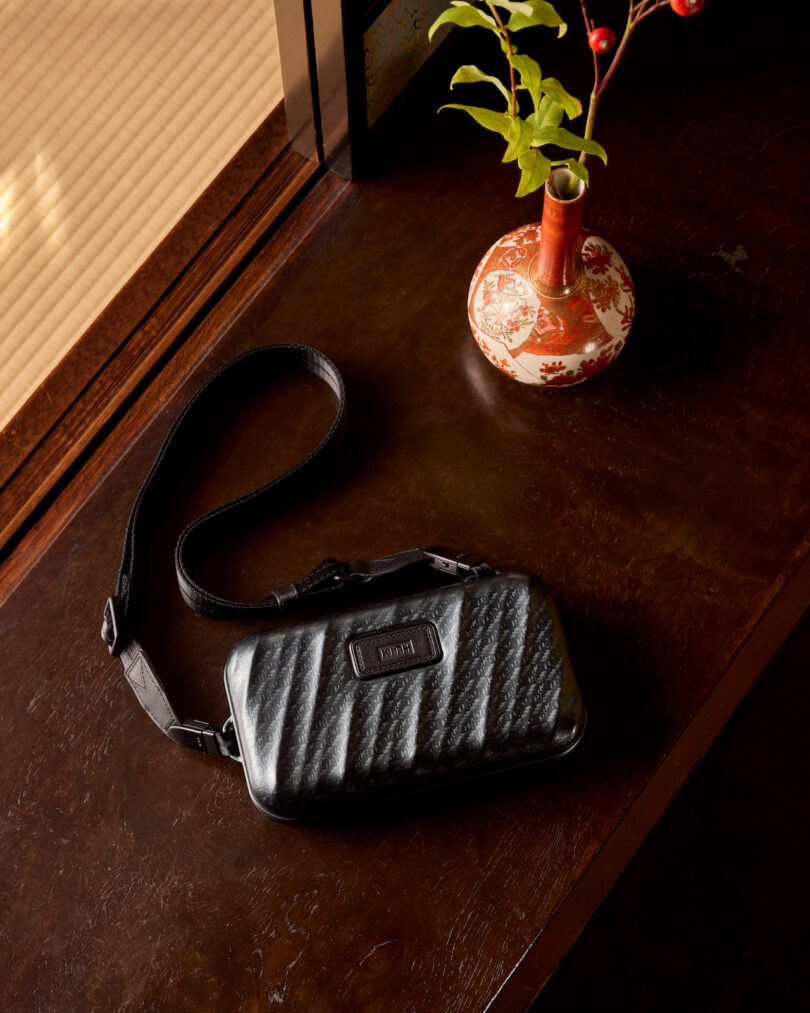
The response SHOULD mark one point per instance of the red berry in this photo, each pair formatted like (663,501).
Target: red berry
(686,8)
(602,40)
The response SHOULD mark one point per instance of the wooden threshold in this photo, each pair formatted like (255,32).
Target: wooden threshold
(42,462)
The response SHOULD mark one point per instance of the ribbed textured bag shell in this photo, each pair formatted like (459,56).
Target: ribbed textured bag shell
(313,736)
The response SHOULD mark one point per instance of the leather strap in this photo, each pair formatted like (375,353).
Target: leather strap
(117,629)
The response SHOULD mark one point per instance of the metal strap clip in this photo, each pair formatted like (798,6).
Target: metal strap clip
(463,565)
(110,631)
(205,738)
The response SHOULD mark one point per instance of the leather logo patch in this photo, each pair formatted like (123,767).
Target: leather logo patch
(384,652)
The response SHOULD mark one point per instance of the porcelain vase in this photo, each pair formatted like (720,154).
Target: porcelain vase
(551,304)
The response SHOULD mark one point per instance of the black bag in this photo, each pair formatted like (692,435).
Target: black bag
(418,690)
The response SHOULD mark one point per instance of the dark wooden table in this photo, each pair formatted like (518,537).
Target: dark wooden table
(665,503)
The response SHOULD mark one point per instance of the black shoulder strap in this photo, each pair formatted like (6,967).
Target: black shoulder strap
(117,629)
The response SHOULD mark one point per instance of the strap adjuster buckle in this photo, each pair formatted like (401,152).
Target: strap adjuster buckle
(347,574)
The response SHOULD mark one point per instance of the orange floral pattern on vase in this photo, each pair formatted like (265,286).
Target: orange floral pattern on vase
(548,340)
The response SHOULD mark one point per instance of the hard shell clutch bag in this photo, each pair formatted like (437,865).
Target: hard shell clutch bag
(427,688)
(393,697)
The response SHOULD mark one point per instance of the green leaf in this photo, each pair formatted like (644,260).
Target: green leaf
(465,16)
(541,14)
(549,114)
(577,168)
(469,74)
(538,86)
(551,87)
(520,139)
(565,139)
(514,8)
(499,122)
(535,168)
(531,76)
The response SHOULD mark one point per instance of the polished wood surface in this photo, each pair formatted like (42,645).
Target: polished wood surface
(710,913)
(665,503)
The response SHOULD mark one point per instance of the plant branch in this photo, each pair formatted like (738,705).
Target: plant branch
(638,11)
(645,12)
(505,36)
(588,30)
(614,63)
(599,84)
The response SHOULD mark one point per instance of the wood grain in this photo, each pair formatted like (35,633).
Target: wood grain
(664,502)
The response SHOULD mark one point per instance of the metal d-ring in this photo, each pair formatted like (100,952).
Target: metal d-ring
(225,730)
